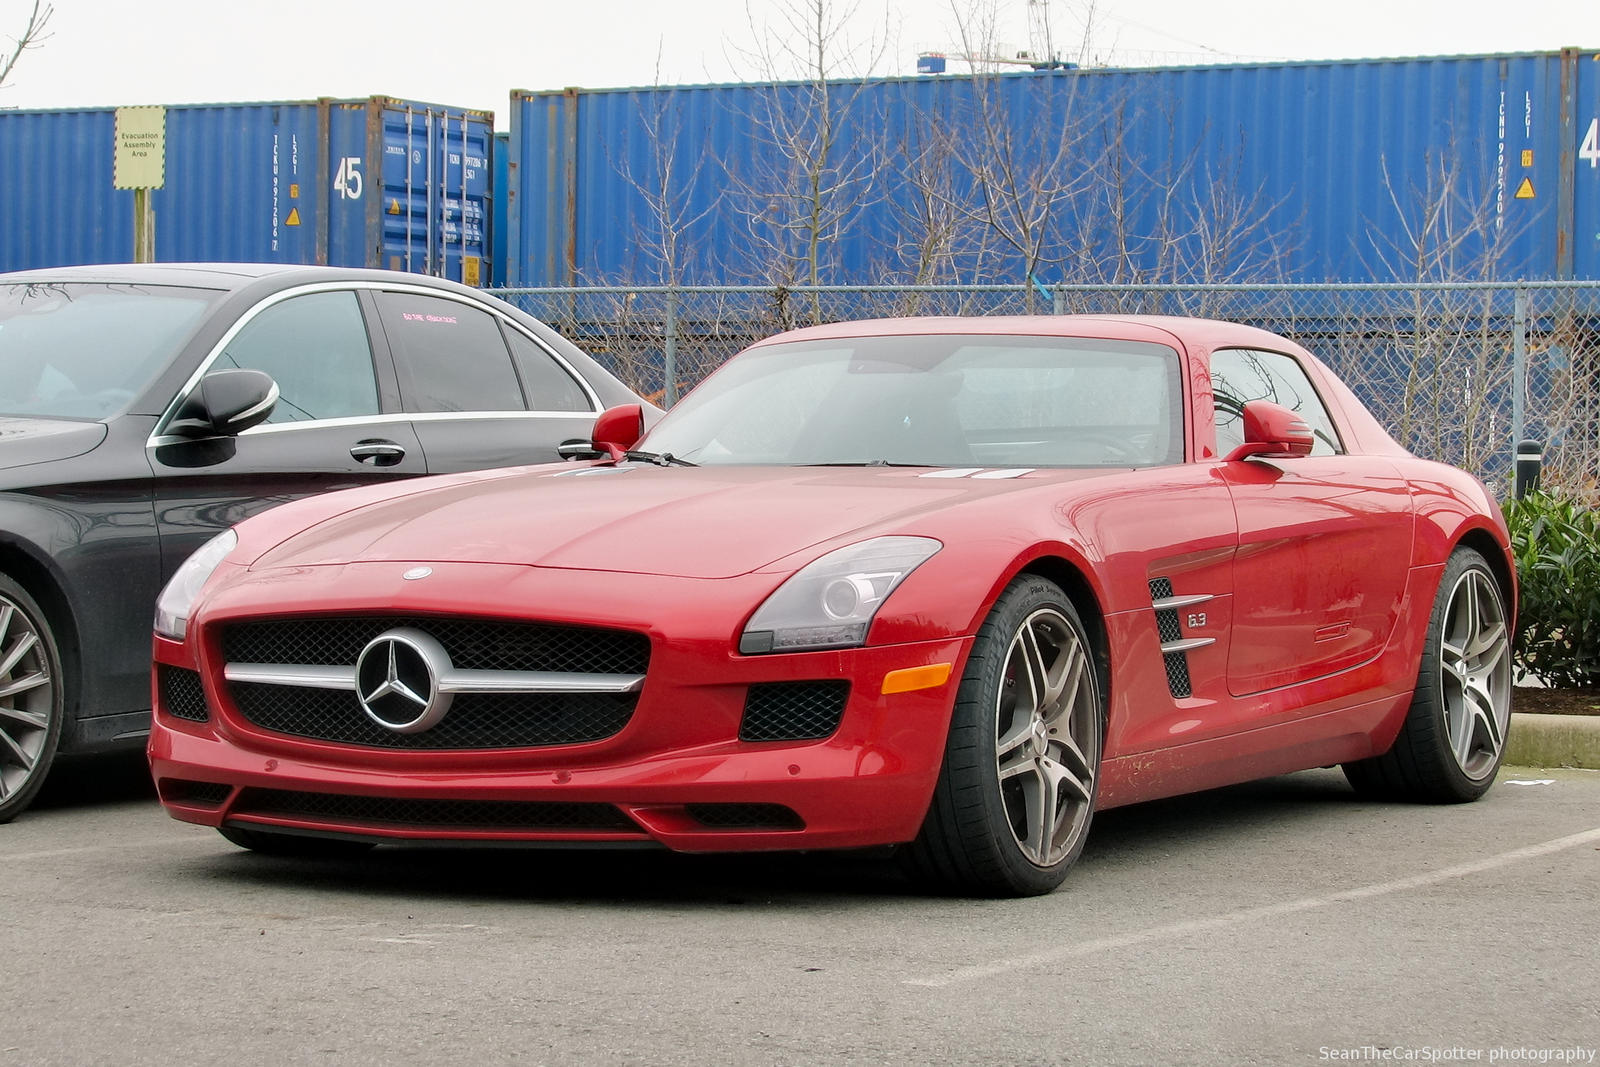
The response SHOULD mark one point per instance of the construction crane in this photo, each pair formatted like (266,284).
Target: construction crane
(1040,54)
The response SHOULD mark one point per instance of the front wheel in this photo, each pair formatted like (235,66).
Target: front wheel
(1450,747)
(1016,792)
(31,699)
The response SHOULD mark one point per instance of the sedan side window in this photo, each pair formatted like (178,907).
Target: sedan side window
(1240,375)
(450,356)
(550,387)
(316,349)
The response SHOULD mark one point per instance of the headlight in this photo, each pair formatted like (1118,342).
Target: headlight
(830,602)
(177,599)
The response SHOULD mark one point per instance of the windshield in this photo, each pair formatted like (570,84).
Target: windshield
(84,351)
(936,401)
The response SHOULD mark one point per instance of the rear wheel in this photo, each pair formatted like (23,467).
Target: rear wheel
(1453,740)
(31,699)
(270,843)
(1016,793)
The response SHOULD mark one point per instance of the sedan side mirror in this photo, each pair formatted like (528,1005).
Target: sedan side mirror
(226,402)
(1272,431)
(618,429)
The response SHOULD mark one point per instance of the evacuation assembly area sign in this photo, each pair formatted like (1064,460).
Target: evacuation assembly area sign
(141,160)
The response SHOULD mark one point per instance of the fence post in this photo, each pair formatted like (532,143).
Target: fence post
(1058,301)
(669,396)
(1519,364)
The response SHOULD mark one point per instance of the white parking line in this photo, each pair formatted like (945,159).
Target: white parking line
(1196,926)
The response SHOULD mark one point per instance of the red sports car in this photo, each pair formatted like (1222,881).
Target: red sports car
(945,584)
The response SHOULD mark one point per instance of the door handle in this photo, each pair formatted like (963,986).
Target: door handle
(377,453)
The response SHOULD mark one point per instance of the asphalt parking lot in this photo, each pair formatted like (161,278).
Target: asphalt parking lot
(1279,922)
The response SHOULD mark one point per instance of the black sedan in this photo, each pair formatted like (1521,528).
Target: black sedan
(144,407)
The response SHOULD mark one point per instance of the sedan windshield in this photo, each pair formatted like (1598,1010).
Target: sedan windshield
(935,401)
(83,351)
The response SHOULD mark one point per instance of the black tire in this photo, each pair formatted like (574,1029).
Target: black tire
(32,709)
(1017,833)
(270,843)
(1453,739)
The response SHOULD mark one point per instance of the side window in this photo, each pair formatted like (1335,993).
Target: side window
(1240,375)
(316,349)
(450,356)
(550,387)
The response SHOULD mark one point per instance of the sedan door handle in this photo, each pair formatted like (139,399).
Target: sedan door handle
(378,453)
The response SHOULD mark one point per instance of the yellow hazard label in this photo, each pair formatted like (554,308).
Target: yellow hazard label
(1525,190)
(294,217)
(394,207)
(294,191)
(471,270)
(1527,157)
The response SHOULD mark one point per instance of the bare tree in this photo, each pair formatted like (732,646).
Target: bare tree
(1021,177)
(1183,215)
(32,36)
(814,158)
(1437,366)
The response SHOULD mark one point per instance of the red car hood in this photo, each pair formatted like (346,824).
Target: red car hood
(704,522)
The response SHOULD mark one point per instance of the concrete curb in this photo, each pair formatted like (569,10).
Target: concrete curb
(1553,741)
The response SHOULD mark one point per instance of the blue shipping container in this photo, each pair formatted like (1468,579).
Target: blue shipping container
(1452,168)
(357,183)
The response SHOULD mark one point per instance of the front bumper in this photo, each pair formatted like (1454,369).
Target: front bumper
(676,775)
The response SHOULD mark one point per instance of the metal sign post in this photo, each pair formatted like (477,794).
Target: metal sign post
(141,165)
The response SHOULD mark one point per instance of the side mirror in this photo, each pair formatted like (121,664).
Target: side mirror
(577,448)
(618,429)
(1273,431)
(226,402)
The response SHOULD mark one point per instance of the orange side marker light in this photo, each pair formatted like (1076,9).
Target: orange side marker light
(912,679)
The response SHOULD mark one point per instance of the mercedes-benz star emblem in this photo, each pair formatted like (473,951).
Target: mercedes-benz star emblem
(397,680)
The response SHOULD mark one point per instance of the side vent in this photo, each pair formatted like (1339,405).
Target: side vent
(1175,647)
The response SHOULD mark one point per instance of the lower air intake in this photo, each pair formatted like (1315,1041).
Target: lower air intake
(182,695)
(745,817)
(397,812)
(793,711)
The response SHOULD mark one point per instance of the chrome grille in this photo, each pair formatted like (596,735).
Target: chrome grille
(476,720)
(474,644)
(526,717)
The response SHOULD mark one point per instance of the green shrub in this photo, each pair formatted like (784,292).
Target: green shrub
(1556,541)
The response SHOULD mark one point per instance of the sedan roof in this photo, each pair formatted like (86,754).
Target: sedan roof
(224,276)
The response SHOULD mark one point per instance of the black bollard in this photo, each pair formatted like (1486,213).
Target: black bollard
(1530,456)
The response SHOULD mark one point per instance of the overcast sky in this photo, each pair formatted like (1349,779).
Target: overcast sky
(471,53)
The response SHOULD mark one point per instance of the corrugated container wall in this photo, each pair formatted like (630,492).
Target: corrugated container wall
(1449,168)
(358,183)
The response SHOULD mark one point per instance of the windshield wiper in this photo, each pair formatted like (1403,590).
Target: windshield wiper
(865,463)
(660,459)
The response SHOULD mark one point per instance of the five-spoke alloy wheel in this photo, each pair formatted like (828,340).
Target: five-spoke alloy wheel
(1045,754)
(1453,739)
(1016,792)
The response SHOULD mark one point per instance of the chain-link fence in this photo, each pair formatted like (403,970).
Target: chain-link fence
(1457,372)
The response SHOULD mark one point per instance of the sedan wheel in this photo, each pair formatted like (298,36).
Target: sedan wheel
(1016,793)
(30,699)
(1453,739)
